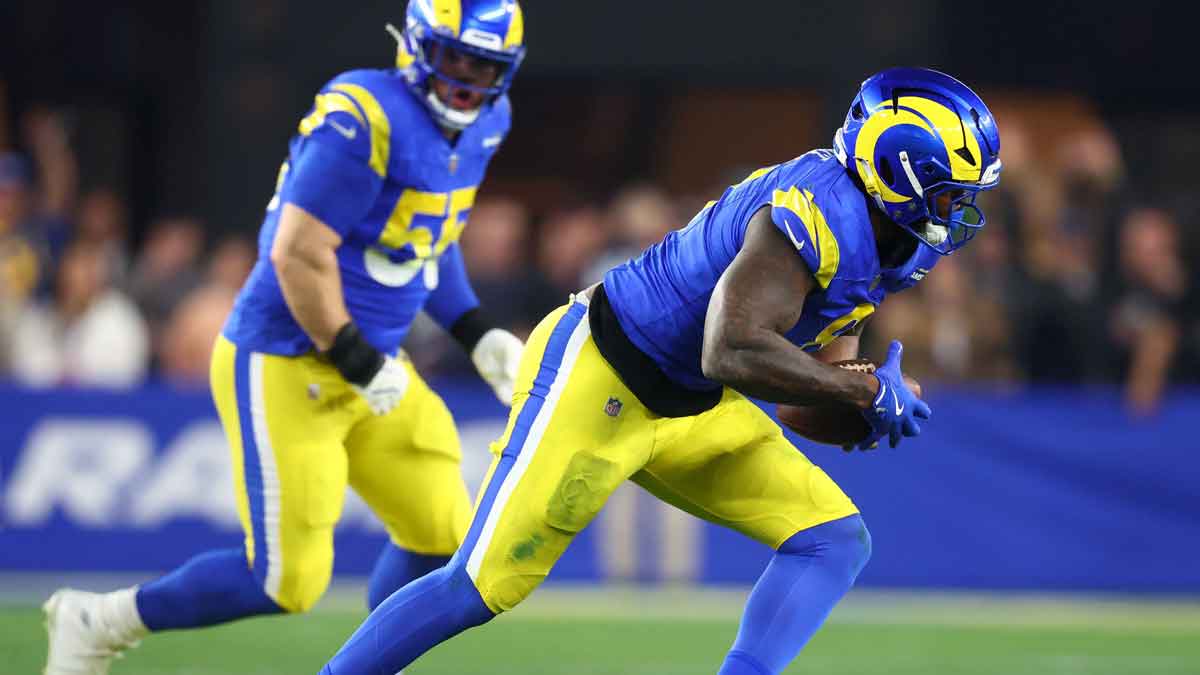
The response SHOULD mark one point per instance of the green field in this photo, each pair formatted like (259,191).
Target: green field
(628,632)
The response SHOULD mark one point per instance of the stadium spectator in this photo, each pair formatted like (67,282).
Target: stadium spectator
(640,215)
(230,262)
(90,334)
(1145,319)
(49,224)
(185,342)
(167,269)
(567,243)
(187,338)
(1072,267)
(495,245)
(18,258)
(102,223)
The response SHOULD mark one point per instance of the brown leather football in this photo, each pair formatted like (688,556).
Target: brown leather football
(833,423)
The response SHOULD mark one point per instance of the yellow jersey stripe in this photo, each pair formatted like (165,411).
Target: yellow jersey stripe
(805,208)
(377,120)
(855,315)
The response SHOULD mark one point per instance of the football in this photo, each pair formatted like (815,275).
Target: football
(833,423)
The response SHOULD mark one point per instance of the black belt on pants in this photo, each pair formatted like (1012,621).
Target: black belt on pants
(659,393)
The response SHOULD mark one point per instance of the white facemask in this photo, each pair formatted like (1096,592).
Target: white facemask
(448,118)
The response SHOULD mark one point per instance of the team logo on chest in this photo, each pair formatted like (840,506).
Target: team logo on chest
(613,407)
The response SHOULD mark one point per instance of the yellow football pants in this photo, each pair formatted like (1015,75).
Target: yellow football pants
(576,432)
(298,434)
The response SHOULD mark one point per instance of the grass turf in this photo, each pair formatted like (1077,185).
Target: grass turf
(1049,638)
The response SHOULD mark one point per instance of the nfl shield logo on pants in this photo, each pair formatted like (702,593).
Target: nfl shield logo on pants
(613,407)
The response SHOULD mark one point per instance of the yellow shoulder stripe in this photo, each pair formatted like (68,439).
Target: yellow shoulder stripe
(758,173)
(803,205)
(325,104)
(377,120)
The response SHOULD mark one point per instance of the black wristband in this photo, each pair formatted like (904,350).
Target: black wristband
(353,356)
(470,327)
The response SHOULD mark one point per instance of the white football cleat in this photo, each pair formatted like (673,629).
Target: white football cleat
(81,642)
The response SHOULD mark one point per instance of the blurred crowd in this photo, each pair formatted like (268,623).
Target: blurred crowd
(80,303)
(1073,280)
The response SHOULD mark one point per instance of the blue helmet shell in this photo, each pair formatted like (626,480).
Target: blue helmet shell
(924,146)
(490,29)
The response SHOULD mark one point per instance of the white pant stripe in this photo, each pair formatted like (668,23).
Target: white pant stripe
(270,479)
(529,447)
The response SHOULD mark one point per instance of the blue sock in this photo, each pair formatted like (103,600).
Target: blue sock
(395,568)
(808,575)
(410,622)
(211,588)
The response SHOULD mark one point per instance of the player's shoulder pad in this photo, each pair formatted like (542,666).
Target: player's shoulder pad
(501,113)
(356,111)
(493,124)
(814,203)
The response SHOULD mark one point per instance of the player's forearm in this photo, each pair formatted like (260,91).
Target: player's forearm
(306,265)
(313,292)
(763,364)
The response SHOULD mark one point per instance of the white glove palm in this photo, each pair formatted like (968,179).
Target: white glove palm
(386,389)
(496,356)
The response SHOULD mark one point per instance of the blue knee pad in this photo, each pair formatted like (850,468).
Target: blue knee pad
(844,543)
(809,574)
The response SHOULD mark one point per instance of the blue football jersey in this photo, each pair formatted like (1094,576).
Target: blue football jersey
(661,297)
(369,161)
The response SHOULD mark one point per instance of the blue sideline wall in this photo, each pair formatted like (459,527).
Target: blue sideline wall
(1042,489)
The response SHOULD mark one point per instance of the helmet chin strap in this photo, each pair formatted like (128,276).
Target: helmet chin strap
(862,167)
(448,118)
(870,181)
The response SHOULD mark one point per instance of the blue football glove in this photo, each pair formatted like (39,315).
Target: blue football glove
(895,411)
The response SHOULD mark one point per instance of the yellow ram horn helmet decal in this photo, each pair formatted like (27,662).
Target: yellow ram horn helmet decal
(880,120)
(929,115)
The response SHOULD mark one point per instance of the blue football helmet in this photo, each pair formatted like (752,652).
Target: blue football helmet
(488,29)
(924,146)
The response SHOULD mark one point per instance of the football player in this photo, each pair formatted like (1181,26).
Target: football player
(646,376)
(311,388)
